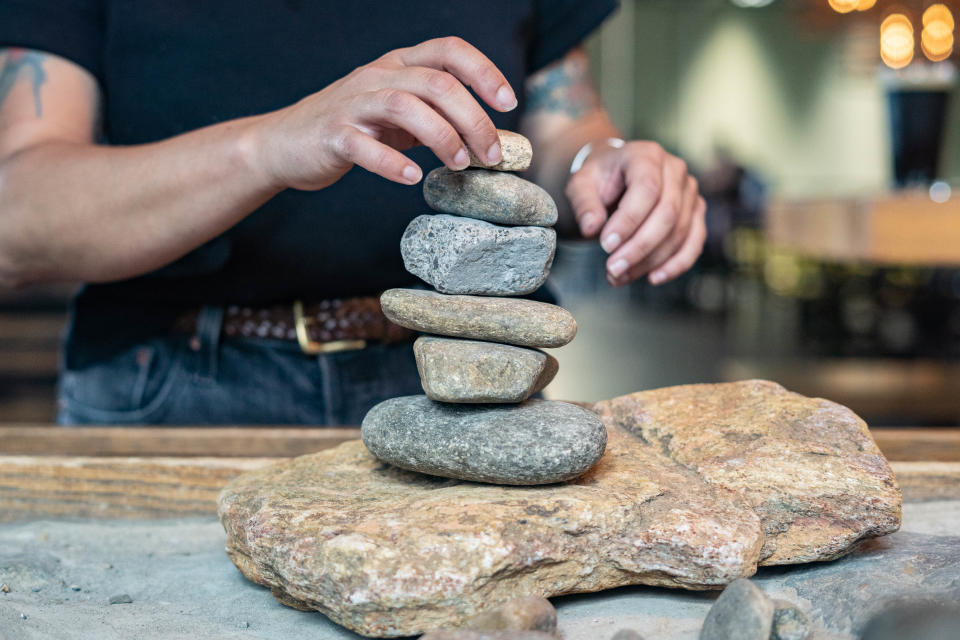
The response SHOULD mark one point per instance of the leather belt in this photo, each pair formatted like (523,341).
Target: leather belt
(327,326)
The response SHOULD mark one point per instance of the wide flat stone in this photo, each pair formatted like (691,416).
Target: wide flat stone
(455,370)
(465,256)
(388,552)
(520,322)
(493,196)
(516,150)
(537,442)
(807,466)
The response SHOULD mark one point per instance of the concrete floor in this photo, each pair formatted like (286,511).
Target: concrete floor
(62,575)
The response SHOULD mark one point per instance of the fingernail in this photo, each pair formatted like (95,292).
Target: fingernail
(493,153)
(461,160)
(506,99)
(588,223)
(618,268)
(658,277)
(411,173)
(610,242)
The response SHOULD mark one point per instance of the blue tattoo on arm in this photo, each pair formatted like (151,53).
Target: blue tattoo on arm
(563,88)
(19,60)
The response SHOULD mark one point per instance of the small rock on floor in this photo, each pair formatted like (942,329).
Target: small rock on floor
(465,634)
(626,634)
(742,612)
(4,588)
(121,598)
(789,623)
(532,613)
(75,587)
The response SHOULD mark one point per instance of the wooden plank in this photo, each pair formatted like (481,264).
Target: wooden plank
(33,487)
(924,481)
(271,442)
(909,443)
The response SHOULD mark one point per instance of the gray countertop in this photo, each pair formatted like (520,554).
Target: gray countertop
(63,573)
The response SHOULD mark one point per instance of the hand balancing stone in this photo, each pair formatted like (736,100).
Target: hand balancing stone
(468,371)
(538,442)
(525,323)
(465,256)
(489,195)
(516,152)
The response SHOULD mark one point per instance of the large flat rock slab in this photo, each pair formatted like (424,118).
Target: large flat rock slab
(698,486)
(807,466)
(387,552)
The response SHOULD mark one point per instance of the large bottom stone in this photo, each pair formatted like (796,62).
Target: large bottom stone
(470,371)
(388,552)
(537,442)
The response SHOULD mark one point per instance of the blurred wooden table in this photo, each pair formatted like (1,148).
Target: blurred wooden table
(136,472)
(899,228)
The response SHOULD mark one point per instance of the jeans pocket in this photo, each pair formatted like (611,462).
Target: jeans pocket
(129,388)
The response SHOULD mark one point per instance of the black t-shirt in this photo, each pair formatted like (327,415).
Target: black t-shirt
(170,66)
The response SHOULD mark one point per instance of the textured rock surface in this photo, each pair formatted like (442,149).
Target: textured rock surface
(537,442)
(807,466)
(742,612)
(531,613)
(521,322)
(789,622)
(461,255)
(388,552)
(454,370)
(516,150)
(493,196)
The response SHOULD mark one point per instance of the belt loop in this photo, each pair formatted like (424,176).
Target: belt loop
(206,343)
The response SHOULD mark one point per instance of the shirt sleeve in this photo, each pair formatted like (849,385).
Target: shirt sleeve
(71,29)
(561,25)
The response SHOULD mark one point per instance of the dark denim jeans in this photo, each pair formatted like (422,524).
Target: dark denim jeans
(178,380)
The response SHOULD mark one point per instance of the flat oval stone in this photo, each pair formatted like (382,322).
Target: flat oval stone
(461,255)
(537,442)
(489,195)
(525,323)
(516,150)
(469,371)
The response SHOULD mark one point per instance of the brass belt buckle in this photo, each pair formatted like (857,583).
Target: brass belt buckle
(312,347)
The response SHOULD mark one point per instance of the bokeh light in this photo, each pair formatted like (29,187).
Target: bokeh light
(843,6)
(896,41)
(936,40)
(864,5)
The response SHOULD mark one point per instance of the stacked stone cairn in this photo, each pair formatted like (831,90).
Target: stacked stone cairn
(481,361)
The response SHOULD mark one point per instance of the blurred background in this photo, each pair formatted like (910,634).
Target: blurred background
(826,138)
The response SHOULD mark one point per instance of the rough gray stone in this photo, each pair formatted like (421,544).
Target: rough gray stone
(742,612)
(626,634)
(531,613)
(493,196)
(521,322)
(516,152)
(122,598)
(468,371)
(465,256)
(537,442)
(789,623)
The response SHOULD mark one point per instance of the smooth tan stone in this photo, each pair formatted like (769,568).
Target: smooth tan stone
(516,150)
(455,370)
(531,613)
(807,466)
(497,197)
(520,322)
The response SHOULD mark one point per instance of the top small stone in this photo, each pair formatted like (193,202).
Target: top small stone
(516,150)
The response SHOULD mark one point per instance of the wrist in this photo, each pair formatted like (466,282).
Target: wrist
(252,145)
(586,150)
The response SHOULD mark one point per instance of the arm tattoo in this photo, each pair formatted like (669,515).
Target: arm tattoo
(31,62)
(563,88)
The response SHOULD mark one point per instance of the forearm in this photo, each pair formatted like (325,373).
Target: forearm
(99,213)
(563,113)
(556,147)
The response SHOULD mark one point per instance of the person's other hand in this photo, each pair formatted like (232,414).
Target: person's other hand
(645,207)
(405,98)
